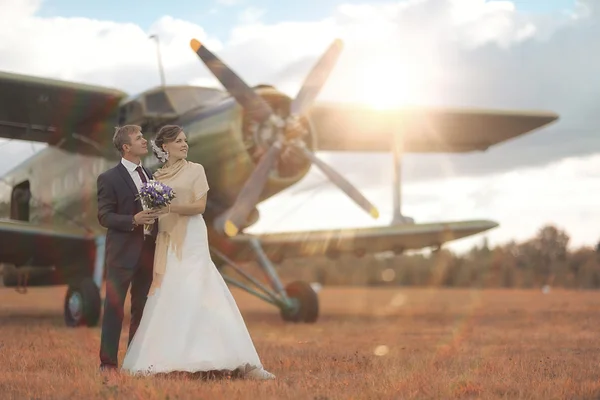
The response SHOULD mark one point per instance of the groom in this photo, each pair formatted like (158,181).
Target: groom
(129,254)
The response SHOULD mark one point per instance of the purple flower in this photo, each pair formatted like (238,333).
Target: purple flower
(154,194)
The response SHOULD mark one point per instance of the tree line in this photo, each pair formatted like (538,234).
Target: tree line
(545,259)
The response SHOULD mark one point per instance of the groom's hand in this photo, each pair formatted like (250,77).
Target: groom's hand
(145,217)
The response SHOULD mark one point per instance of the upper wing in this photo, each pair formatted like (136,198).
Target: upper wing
(360,128)
(52,111)
(70,249)
(362,240)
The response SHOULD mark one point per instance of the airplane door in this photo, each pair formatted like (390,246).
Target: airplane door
(19,202)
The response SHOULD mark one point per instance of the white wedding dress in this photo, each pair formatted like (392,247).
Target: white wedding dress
(192,323)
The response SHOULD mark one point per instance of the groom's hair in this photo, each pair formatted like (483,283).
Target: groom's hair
(122,135)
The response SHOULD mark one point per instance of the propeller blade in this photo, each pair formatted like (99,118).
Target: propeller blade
(251,191)
(341,182)
(316,78)
(256,106)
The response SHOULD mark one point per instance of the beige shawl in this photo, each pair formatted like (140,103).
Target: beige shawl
(188,180)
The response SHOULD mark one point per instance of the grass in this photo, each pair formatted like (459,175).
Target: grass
(367,344)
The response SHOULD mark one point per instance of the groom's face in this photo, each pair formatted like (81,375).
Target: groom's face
(138,145)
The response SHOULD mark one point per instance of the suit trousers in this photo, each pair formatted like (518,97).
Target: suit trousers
(118,279)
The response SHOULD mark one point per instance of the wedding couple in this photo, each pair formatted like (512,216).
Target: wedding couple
(183,316)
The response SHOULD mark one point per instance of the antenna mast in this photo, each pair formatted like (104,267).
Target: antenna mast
(160,66)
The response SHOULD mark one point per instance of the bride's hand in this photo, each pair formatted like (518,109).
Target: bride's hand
(162,211)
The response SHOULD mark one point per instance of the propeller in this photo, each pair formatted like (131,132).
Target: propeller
(289,131)
(316,79)
(255,105)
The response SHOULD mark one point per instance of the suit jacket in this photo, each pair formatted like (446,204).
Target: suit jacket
(117,204)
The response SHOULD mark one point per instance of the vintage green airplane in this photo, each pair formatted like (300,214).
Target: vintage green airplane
(253,143)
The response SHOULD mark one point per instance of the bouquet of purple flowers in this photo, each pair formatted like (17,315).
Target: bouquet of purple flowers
(154,195)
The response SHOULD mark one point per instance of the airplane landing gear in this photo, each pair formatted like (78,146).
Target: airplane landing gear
(305,303)
(82,303)
(297,302)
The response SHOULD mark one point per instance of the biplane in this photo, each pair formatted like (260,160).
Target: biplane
(253,142)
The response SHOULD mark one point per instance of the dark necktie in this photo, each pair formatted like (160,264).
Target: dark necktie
(139,171)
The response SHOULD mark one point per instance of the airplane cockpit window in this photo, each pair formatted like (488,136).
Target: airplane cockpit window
(165,103)
(187,98)
(130,113)
(158,103)
(122,115)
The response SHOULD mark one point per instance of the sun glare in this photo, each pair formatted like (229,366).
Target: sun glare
(386,83)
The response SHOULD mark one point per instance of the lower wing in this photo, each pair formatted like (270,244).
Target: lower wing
(362,240)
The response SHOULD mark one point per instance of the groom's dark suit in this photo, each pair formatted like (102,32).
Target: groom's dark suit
(129,257)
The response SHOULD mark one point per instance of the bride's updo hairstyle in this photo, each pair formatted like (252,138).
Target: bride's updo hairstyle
(166,134)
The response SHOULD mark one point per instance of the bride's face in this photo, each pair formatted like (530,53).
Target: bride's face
(178,148)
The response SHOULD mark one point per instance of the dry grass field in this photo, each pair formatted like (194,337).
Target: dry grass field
(368,344)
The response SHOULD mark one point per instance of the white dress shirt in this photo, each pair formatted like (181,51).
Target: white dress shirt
(134,175)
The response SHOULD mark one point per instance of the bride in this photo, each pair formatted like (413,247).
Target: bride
(191,322)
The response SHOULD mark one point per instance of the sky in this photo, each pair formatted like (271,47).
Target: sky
(525,54)
(219,16)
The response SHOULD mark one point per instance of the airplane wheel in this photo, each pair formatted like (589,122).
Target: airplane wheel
(308,300)
(82,304)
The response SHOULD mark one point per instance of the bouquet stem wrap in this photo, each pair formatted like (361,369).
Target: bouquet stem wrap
(148,229)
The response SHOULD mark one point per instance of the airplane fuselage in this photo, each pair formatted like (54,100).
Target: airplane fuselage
(61,185)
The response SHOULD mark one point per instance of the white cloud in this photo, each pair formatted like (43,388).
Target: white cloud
(452,52)
(17,10)
(99,52)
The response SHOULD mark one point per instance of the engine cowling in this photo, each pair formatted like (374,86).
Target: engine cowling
(291,166)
